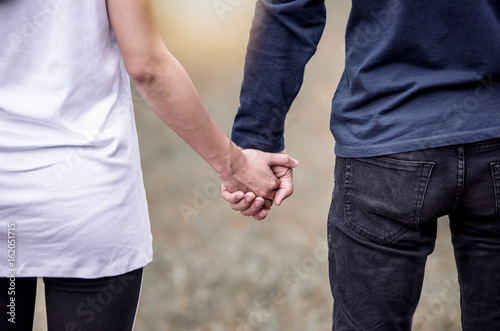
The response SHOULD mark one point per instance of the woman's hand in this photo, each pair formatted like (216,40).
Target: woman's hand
(257,202)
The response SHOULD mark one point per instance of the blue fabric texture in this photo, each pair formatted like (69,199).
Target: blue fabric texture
(418,74)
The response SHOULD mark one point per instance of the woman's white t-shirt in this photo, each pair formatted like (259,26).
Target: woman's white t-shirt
(72,200)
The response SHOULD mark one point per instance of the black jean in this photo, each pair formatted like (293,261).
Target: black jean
(382,227)
(73,304)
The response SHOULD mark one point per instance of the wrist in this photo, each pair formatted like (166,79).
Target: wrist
(230,161)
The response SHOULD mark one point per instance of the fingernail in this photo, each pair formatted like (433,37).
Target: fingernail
(249,199)
(259,203)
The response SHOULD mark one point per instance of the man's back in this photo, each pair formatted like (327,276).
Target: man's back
(418,74)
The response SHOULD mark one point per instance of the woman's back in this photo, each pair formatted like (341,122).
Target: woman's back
(70,173)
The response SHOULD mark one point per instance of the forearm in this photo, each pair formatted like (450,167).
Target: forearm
(283,38)
(164,84)
(170,92)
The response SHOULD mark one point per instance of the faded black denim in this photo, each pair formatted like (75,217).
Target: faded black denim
(382,226)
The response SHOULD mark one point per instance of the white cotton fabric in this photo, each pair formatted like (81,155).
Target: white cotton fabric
(70,176)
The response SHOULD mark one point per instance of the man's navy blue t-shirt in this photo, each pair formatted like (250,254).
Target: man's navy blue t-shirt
(418,74)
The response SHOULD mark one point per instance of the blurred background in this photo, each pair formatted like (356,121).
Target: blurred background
(213,269)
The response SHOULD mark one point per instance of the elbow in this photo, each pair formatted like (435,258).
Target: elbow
(150,74)
(146,69)
(143,75)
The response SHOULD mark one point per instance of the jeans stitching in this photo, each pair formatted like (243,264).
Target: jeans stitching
(495,173)
(347,182)
(383,161)
(484,146)
(460,177)
(425,177)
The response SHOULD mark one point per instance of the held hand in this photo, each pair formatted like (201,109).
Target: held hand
(252,172)
(285,175)
(250,205)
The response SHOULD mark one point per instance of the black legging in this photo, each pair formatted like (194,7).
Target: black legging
(76,304)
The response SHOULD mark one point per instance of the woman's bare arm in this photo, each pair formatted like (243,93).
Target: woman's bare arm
(166,87)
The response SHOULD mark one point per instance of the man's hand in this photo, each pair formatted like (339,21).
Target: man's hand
(251,171)
(251,205)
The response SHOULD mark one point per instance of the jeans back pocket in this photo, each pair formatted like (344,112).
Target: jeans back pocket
(383,196)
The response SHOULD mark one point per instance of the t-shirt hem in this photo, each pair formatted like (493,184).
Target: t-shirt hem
(86,272)
(416,144)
